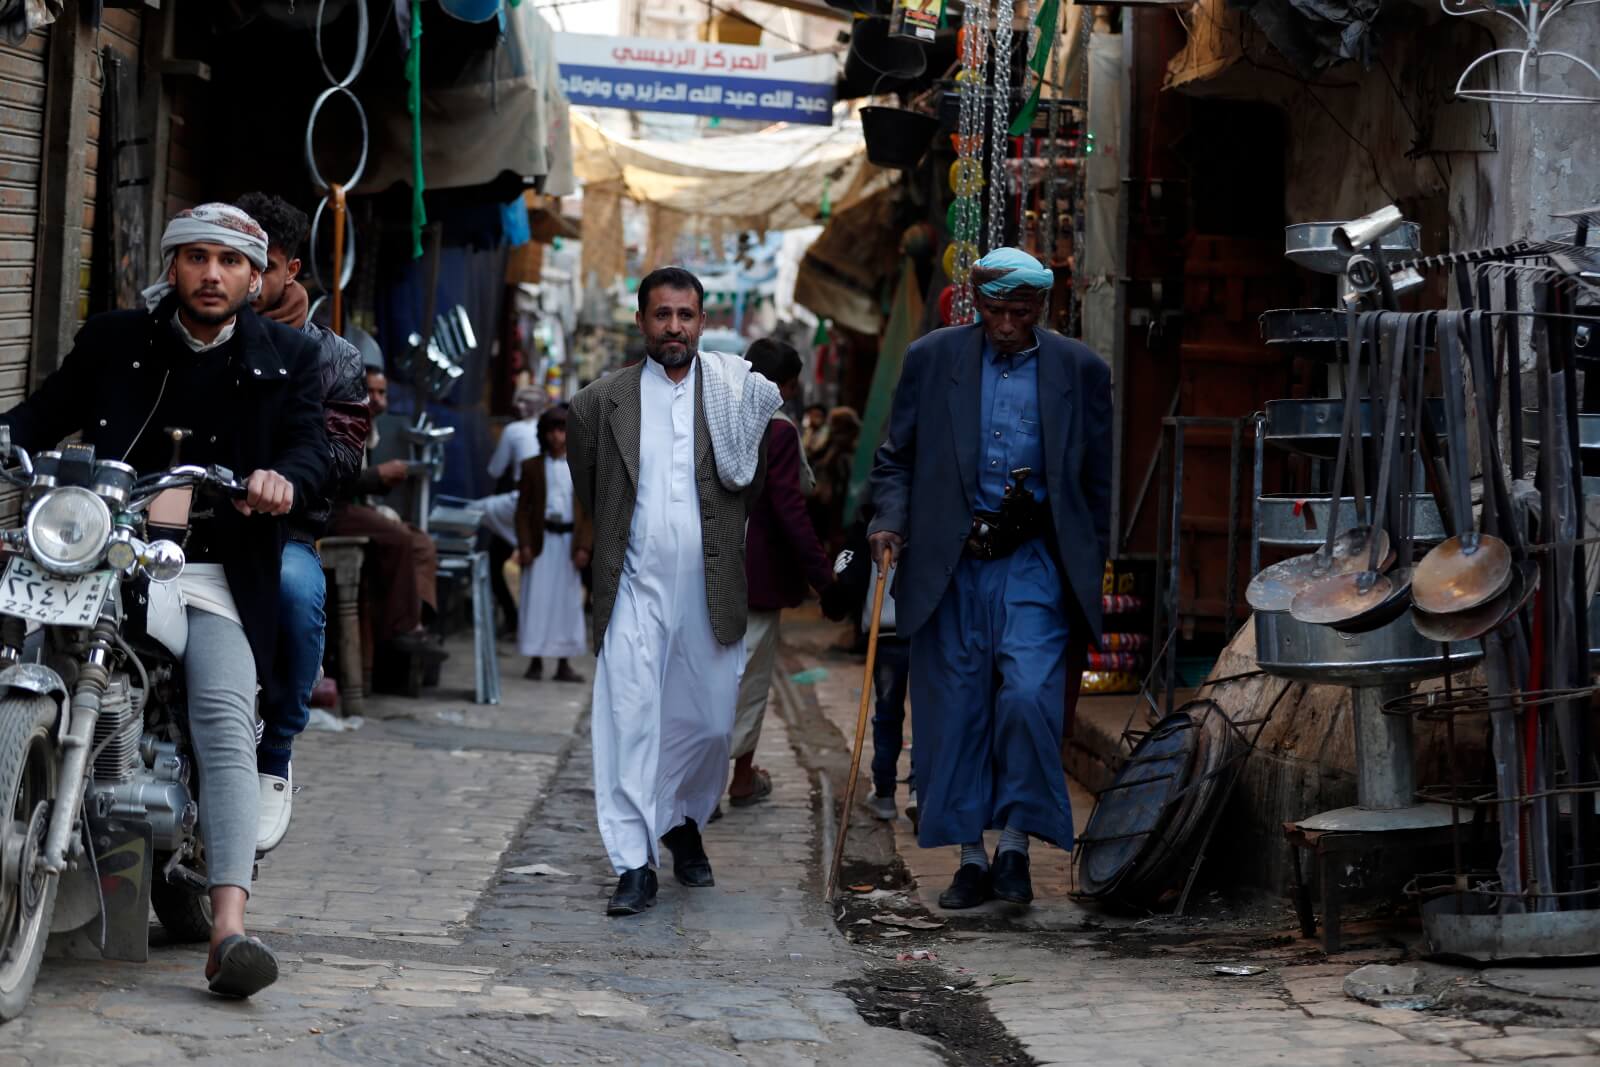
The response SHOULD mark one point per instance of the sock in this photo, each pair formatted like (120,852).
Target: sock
(975,854)
(1013,841)
(272,761)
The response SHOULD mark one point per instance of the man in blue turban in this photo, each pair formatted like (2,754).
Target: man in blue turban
(993,492)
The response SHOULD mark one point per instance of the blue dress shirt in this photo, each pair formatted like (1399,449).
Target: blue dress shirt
(1009,426)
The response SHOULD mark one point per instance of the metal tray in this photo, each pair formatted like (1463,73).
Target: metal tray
(1304,326)
(1588,429)
(1309,652)
(1310,244)
(1289,520)
(1312,426)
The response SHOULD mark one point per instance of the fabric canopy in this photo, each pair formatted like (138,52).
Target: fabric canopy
(774,179)
(503,113)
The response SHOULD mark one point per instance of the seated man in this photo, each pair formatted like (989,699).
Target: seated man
(248,390)
(402,562)
(302,591)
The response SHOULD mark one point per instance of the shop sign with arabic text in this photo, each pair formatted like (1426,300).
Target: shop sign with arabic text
(695,78)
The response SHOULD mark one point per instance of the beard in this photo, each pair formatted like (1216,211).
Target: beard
(213,318)
(671,360)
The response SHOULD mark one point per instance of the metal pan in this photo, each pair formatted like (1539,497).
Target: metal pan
(1311,245)
(1394,652)
(1588,429)
(1472,567)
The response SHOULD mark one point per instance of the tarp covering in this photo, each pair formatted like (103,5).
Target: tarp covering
(17,20)
(773,179)
(841,275)
(504,112)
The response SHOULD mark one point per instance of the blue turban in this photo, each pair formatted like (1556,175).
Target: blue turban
(1016,270)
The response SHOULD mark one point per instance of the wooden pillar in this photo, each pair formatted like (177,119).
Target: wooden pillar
(63,188)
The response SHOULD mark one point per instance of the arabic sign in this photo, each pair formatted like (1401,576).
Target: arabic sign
(695,78)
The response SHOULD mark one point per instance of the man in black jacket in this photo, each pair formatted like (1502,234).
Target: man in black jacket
(302,590)
(248,391)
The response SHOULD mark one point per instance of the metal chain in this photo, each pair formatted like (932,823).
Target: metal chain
(344,243)
(1052,157)
(1026,193)
(999,121)
(968,169)
(1086,28)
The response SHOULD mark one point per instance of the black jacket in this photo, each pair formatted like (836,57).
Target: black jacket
(347,420)
(108,384)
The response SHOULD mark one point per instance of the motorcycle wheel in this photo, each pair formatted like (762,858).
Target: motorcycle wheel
(27,893)
(185,913)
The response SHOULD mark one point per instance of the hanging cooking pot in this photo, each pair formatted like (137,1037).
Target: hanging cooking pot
(1472,567)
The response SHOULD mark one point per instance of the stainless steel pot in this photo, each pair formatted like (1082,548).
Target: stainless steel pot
(1308,652)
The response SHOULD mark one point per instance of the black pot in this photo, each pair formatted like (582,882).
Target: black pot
(896,137)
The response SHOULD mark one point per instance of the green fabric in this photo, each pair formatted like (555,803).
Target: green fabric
(904,315)
(1046,21)
(419,212)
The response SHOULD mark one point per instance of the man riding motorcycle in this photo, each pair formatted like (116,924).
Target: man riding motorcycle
(248,392)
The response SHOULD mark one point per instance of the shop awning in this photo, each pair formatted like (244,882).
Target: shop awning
(775,179)
(502,113)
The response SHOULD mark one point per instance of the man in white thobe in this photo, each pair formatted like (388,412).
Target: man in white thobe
(665,459)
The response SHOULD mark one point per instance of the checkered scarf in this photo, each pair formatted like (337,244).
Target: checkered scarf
(738,405)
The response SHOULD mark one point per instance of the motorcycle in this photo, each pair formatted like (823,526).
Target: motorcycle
(98,812)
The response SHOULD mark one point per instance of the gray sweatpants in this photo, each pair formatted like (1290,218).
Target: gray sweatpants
(221,676)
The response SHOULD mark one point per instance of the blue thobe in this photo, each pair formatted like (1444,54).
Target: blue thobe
(988,670)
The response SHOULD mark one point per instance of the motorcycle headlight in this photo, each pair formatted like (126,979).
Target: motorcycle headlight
(68,529)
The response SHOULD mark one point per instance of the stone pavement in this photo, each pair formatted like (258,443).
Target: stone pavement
(1078,986)
(412,933)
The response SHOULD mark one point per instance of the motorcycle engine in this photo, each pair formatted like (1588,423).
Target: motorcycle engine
(137,776)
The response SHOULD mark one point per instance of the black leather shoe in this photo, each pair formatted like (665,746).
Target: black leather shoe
(969,888)
(1009,877)
(636,891)
(690,864)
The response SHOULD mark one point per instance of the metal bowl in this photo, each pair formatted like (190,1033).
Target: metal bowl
(1310,245)
(1308,652)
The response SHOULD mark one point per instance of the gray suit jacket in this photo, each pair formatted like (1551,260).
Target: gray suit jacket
(603,451)
(925,476)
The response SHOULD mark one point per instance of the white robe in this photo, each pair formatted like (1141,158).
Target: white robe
(664,688)
(550,617)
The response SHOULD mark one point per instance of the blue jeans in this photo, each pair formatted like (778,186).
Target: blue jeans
(889,674)
(302,598)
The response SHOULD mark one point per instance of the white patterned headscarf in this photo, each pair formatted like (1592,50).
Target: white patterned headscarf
(213,224)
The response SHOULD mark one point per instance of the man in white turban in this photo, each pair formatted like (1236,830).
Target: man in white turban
(248,393)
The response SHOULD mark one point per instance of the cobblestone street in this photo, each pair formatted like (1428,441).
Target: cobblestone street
(440,900)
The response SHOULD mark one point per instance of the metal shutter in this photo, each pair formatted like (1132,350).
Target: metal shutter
(21,154)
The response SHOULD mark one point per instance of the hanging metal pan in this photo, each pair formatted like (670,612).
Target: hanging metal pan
(1471,567)
(1274,587)
(1347,598)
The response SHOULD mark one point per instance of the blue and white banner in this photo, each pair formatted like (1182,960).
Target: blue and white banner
(695,78)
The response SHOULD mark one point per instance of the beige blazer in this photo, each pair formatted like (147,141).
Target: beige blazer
(603,451)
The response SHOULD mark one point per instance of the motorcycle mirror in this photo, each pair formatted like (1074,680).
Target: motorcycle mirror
(162,561)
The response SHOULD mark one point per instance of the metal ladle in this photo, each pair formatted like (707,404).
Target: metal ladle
(1274,587)
(1471,567)
(1344,598)
(1497,517)
(1414,333)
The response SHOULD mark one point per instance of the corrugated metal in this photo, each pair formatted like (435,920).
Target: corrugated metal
(22,88)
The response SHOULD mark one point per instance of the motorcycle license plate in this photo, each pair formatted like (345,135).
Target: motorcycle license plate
(30,592)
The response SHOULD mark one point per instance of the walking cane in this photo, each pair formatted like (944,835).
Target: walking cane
(861,726)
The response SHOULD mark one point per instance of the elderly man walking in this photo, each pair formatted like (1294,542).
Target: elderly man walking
(665,458)
(993,491)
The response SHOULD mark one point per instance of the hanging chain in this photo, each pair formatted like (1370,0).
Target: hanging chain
(1026,196)
(968,171)
(1085,146)
(1052,157)
(999,122)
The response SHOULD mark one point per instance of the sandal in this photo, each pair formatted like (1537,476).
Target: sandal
(244,967)
(758,792)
